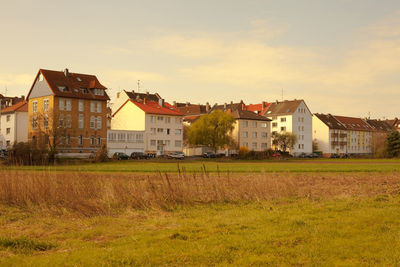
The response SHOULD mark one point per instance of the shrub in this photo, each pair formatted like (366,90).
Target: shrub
(101,155)
(25,153)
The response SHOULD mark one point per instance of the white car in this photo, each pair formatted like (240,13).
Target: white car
(176,155)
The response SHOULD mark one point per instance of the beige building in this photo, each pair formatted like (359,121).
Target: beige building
(160,121)
(14,125)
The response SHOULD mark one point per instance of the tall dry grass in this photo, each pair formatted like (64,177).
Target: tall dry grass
(92,194)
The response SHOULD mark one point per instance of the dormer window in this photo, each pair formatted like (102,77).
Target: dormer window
(78,79)
(98,92)
(63,88)
(84,90)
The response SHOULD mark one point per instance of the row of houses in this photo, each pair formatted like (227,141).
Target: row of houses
(73,111)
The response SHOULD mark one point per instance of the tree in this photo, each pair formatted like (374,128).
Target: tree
(393,144)
(284,141)
(212,130)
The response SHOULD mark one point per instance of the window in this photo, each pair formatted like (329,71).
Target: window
(254,134)
(264,146)
(159,118)
(98,122)
(63,88)
(264,135)
(178,143)
(92,106)
(34,123)
(245,123)
(245,144)
(84,90)
(151,118)
(245,134)
(302,128)
(68,141)
(68,106)
(160,130)
(167,131)
(80,140)
(61,104)
(283,129)
(98,92)
(178,131)
(274,124)
(299,146)
(98,109)
(8,130)
(152,142)
(167,120)
(8,117)
(92,140)
(153,130)
(61,120)
(92,122)
(283,119)
(98,140)
(46,121)
(263,125)
(80,121)
(254,124)
(68,121)
(178,120)
(46,105)
(9,143)
(254,145)
(80,105)
(34,106)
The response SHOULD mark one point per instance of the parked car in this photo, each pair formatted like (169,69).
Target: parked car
(335,156)
(176,155)
(139,155)
(3,153)
(120,156)
(209,155)
(276,155)
(304,155)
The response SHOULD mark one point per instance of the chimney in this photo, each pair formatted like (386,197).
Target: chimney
(243,106)
(174,103)
(231,102)
(161,102)
(187,104)
(144,100)
(208,107)
(147,93)
(224,106)
(264,104)
(66,73)
(137,97)
(23,97)
(277,101)
(118,94)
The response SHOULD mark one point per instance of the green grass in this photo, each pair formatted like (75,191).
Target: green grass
(285,232)
(319,165)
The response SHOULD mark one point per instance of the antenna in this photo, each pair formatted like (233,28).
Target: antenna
(5,94)
(369,115)
(138,86)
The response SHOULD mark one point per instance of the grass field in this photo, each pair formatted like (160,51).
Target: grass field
(296,217)
(315,165)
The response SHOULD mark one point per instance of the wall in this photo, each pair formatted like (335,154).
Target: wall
(119,141)
(21,130)
(240,129)
(321,135)
(129,117)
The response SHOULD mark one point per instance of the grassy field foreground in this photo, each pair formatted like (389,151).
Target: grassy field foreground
(89,219)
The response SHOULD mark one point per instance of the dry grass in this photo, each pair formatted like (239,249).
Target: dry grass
(94,194)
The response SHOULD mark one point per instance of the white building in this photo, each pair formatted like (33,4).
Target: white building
(160,121)
(124,141)
(289,116)
(14,124)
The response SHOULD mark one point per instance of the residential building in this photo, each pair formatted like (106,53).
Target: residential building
(6,101)
(14,124)
(289,116)
(68,110)
(192,112)
(124,141)
(395,124)
(160,121)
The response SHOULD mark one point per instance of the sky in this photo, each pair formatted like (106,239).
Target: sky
(342,57)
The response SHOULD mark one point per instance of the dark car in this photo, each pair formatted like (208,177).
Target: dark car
(209,155)
(335,156)
(139,155)
(3,153)
(120,156)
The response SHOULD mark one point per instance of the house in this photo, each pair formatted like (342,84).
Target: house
(192,112)
(14,124)
(160,122)
(6,101)
(395,124)
(69,111)
(289,116)
(251,130)
(347,135)
(124,141)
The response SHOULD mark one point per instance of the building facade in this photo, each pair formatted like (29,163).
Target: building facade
(14,124)
(124,141)
(68,111)
(160,121)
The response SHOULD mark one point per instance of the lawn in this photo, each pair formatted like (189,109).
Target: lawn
(316,165)
(285,232)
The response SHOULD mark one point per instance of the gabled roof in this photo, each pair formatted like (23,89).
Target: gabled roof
(153,107)
(282,108)
(330,121)
(394,123)
(380,126)
(259,108)
(248,115)
(231,106)
(74,82)
(19,107)
(136,96)
(355,124)
(191,109)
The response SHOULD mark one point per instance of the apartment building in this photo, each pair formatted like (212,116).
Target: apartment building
(395,124)
(14,124)
(250,129)
(289,116)
(160,121)
(192,112)
(68,110)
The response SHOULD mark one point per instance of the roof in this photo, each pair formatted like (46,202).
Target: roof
(136,96)
(191,119)
(330,121)
(20,107)
(394,123)
(282,108)
(153,107)
(248,115)
(74,82)
(192,109)
(231,106)
(380,126)
(260,108)
(352,123)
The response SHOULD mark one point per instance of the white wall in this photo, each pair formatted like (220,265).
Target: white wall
(18,125)
(124,141)
(321,135)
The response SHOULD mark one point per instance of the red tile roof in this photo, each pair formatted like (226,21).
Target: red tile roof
(74,82)
(20,107)
(153,107)
(260,108)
